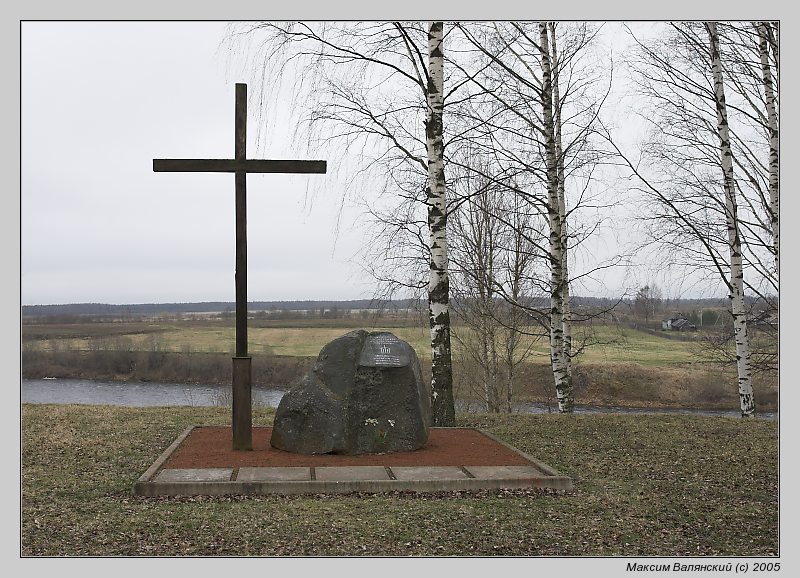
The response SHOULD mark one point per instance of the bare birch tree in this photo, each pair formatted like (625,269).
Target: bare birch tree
(439,285)
(749,66)
(736,283)
(767,45)
(376,89)
(697,221)
(517,117)
(749,60)
(558,356)
(562,205)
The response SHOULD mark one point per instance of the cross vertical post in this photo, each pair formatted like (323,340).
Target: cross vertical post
(242,363)
(240,165)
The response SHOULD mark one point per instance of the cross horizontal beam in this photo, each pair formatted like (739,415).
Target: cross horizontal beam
(233,166)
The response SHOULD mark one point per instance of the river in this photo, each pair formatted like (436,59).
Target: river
(136,393)
(149,394)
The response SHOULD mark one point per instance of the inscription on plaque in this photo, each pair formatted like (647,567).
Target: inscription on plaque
(383,350)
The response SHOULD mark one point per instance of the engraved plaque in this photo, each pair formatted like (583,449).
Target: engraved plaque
(384,350)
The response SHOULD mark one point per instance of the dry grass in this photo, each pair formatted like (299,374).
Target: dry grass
(645,486)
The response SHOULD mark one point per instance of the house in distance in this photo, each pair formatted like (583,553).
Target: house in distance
(678,322)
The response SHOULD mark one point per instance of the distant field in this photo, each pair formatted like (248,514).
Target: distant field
(608,344)
(616,344)
(620,366)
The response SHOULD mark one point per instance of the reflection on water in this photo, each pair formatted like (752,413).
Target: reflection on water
(148,394)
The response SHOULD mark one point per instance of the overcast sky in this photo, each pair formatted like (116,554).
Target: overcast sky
(99,102)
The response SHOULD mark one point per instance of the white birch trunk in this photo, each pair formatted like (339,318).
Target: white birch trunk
(563,386)
(439,284)
(734,241)
(562,208)
(774,141)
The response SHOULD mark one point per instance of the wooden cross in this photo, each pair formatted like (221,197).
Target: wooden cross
(240,165)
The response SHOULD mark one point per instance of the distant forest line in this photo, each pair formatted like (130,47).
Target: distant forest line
(138,309)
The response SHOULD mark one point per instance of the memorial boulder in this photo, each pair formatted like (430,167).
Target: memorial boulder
(363,395)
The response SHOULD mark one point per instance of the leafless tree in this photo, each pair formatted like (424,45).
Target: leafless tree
(647,301)
(491,256)
(700,213)
(531,111)
(375,92)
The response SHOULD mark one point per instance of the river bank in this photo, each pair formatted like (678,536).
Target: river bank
(157,394)
(627,385)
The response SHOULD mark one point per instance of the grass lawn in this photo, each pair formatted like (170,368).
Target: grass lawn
(645,485)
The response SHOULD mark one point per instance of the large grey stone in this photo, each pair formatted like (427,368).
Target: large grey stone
(363,395)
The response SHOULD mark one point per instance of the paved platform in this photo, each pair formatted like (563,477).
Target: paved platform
(163,481)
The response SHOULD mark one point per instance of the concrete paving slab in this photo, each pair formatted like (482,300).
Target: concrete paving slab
(351,473)
(503,472)
(406,473)
(274,474)
(195,475)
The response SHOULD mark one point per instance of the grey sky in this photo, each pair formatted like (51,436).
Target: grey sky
(99,102)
